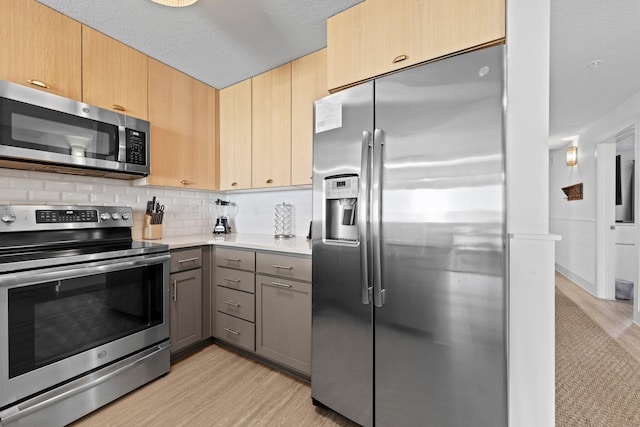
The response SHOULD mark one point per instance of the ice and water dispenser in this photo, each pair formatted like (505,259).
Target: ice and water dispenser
(341,200)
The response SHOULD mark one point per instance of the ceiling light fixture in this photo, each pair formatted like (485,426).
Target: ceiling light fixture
(175,3)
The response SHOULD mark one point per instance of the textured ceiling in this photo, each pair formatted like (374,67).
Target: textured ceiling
(219,42)
(583,31)
(222,42)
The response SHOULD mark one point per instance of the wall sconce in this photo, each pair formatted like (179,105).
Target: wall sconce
(572,155)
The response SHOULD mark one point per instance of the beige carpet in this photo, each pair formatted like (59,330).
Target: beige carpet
(597,381)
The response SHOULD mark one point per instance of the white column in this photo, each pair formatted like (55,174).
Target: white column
(531,379)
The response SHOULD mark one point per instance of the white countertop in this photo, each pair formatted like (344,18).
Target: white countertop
(265,242)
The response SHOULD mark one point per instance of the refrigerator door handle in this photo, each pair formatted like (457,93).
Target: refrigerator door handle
(376,217)
(363,213)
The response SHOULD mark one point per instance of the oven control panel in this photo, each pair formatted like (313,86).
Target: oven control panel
(43,216)
(27,217)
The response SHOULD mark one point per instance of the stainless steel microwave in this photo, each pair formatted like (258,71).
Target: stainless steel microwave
(43,131)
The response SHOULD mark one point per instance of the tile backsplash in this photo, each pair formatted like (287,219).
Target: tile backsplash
(187,211)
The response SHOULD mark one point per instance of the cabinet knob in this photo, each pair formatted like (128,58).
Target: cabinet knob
(118,107)
(234,184)
(269,181)
(400,58)
(39,83)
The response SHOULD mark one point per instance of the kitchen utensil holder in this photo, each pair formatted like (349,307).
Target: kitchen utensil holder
(284,221)
(151,231)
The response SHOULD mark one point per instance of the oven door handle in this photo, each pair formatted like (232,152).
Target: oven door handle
(30,277)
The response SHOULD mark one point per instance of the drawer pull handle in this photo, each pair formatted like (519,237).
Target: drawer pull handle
(232,280)
(39,84)
(233,259)
(283,267)
(186,182)
(281,285)
(188,260)
(400,58)
(231,331)
(234,184)
(118,107)
(175,290)
(232,304)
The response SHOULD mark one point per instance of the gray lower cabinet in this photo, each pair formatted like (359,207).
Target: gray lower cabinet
(283,322)
(185,298)
(283,310)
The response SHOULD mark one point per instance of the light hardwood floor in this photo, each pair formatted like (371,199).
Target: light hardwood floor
(218,387)
(615,317)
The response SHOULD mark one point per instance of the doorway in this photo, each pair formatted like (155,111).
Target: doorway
(616,219)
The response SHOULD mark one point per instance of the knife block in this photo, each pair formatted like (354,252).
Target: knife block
(151,231)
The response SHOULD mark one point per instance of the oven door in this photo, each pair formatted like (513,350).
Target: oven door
(59,323)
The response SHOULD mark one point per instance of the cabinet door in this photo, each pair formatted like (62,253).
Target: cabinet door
(308,83)
(235,136)
(283,322)
(182,151)
(201,167)
(271,128)
(114,76)
(380,36)
(186,309)
(40,45)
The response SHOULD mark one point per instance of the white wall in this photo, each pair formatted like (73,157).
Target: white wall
(576,220)
(187,211)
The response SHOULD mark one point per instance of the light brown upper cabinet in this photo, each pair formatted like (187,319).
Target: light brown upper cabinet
(40,48)
(271,128)
(380,36)
(114,76)
(235,136)
(308,83)
(182,112)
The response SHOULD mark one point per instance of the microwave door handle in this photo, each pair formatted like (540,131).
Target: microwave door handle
(363,214)
(122,144)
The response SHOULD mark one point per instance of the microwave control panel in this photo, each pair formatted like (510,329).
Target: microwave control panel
(136,147)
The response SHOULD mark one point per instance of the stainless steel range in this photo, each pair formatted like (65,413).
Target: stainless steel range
(84,311)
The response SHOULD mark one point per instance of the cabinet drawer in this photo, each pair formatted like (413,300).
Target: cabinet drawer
(186,259)
(285,266)
(236,303)
(233,258)
(234,279)
(235,331)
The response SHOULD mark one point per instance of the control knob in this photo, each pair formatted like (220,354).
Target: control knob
(125,216)
(115,216)
(8,217)
(104,216)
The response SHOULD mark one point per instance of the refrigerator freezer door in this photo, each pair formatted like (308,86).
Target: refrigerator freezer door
(440,335)
(342,334)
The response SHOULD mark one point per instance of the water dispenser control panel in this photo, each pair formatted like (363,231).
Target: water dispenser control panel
(343,187)
(341,203)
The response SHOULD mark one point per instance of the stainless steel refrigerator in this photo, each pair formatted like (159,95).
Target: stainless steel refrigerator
(409,268)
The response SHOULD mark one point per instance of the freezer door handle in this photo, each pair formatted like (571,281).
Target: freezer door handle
(363,213)
(376,216)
